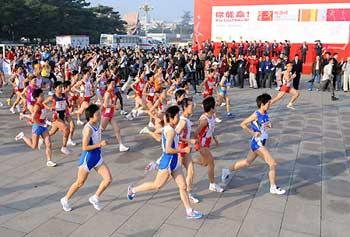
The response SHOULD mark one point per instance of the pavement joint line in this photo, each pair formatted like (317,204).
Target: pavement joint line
(290,184)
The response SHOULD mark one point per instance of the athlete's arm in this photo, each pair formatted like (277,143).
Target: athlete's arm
(107,101)
(35,112)
(181,125)
(86,138)
(155,106)
(246,122)
(48,100)
(169,141)
(202,124)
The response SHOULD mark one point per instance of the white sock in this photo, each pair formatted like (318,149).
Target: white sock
(95,197)
(273,186)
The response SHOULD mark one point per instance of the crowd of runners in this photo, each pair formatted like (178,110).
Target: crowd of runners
(56,89)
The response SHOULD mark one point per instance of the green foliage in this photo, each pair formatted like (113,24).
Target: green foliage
(45,19)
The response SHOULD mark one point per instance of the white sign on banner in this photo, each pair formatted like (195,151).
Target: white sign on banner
(294,22)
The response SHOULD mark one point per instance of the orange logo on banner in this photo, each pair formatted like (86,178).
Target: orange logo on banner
(308,14)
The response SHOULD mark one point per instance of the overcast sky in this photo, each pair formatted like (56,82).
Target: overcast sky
(168,10)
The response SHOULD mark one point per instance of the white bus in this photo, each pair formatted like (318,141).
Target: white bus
(124,41)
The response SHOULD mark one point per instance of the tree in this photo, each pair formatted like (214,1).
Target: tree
(185,26)
(46,19)
(186,18)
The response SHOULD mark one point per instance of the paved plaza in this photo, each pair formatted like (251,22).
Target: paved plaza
(311,146)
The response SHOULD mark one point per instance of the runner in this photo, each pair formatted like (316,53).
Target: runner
(204,135)
(287,87)
(108,110)
(222,94)
(18,85)
(169,165)
(39,128)
(259,123)
(86,89)
(91,158)
(184,130)
(59,104)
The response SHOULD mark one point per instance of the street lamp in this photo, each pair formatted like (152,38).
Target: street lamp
(146,8)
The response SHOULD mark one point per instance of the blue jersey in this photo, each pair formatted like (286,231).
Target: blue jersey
(93,158)
(260,125)
(168,161)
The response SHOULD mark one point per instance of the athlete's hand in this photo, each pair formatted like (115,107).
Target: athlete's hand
(103,143)
(193,141)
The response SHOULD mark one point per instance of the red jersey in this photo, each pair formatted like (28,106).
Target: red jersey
(209,87)
(139,87)
(40,117)
(109,112)
(206,133)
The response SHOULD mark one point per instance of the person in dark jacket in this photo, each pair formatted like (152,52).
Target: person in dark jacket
(303,49)
(267,70)
(318,48)
(337,70)
(233,72)
(260,72)
(241,70)
(297,69)
(316,72)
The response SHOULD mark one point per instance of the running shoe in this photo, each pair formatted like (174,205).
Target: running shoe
(151,166)
(1,104)
(18,108)
(129,117)
(277,190)
(21,116)
(218,120)
(192,198)
(290,106)
(225,175)
(222,104)
(145,130)
(95,202)
(70,142)
(150,125)
(215,188)
(230,115)
(79,122)
(123,148)
(12,110)
(19,136)
(8,101)
(65,205)
(131,194)
(65,151)
(122,112)
(194,215)
(50,163)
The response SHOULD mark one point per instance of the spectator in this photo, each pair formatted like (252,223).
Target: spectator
(297,69)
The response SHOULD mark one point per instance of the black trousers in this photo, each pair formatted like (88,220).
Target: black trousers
(241,79)
(296,81)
